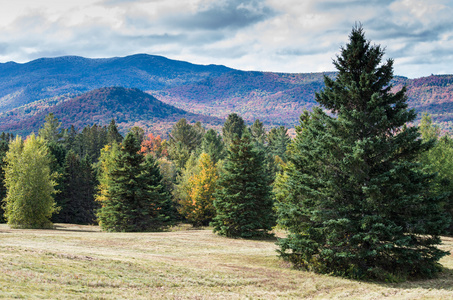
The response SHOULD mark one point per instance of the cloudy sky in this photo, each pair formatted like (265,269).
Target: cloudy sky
(265,35)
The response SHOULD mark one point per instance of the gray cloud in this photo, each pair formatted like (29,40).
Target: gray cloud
(223,14)
(350,4)
(269,35)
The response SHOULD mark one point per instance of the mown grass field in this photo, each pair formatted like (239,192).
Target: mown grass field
(80,262)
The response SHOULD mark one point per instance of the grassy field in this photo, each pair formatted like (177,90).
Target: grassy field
(80,262)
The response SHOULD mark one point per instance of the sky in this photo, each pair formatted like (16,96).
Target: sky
(295,36)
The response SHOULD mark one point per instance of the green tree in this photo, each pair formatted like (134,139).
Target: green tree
(78,189)
(212,144)
(258,132)
(138,132)
(353,198)
(184,140)
(132,195)
(243,199)
(57,154)
(5,138)
(29,184)
(439,159)
(278,141)
(70,138)
(197,204)
(234,125)
(91,140)
(183,186)
(113,135)
(50,131)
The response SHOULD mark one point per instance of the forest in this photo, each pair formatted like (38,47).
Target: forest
(357,191)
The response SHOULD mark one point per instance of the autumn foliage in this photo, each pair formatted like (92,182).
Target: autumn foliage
(197,207)
(154,145)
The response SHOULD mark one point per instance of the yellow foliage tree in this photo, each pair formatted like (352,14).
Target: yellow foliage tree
(198,207)
(29,201)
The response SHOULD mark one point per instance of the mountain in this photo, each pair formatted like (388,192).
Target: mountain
(21,84)
(129,107)
(274,98)
(279,98)
(432,94)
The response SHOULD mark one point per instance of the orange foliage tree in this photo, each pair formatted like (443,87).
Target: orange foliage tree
(154,145)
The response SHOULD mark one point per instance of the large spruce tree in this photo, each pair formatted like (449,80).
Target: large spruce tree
(243,199)
(353,198)
(132,196)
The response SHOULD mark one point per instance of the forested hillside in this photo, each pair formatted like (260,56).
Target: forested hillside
(274,98)
(129,107)
(49,77)
(433,94)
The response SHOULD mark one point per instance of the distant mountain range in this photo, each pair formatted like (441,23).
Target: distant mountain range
(74,89)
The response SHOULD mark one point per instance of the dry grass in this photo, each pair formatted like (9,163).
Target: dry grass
(80,262)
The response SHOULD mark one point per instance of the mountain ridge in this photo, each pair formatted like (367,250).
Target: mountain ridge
(205,90)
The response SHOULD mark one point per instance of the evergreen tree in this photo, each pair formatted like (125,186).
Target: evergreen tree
(212,144)
(243,199)
(113,135)
(90,142)
(70,138)
(258,132)
(57,154)
(133,196)
(185,139)
(353,198)
(139,133)
(78,188)
(164,213)
(278,141)
(234,125)
(29,183)
(50,131)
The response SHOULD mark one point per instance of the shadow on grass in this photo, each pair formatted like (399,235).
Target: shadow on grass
(76,228)
(444,281)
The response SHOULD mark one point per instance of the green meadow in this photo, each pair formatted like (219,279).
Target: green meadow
(81,262)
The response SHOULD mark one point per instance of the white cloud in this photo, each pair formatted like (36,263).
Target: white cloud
(272,35)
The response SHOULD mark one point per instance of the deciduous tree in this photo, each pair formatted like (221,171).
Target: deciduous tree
(198,207)
(29,183)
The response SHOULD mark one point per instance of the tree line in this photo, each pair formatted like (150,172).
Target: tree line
(357,191)
(142,182)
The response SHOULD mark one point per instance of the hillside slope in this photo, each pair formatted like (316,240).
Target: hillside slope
(48,77)
(129,107)
(274,98)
